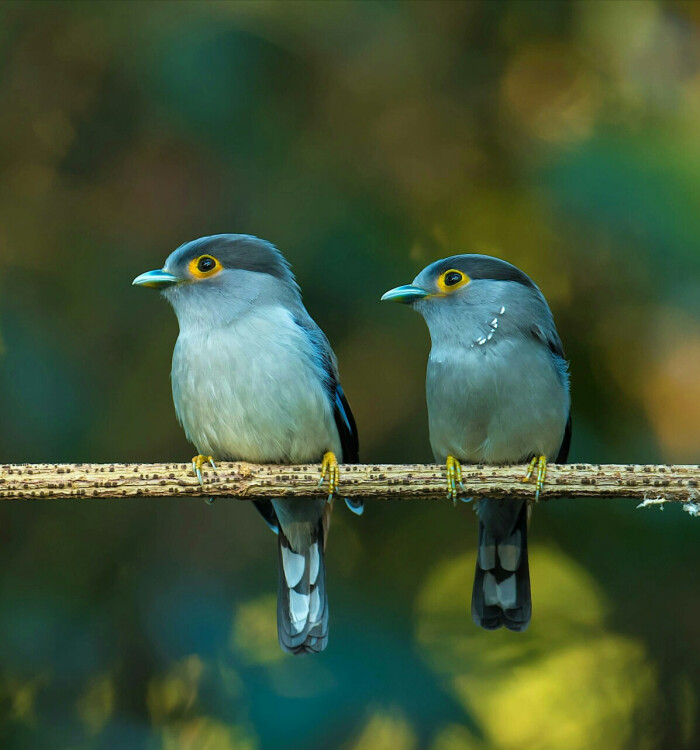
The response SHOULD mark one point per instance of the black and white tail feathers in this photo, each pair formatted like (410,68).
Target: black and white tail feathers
(501,593)
(302,602)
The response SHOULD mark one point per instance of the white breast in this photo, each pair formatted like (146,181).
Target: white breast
(253,390)
(497,403)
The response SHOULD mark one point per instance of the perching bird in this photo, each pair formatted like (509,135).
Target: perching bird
(498,393)
(255,379)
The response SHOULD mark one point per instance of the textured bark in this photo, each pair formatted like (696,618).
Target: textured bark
(425,481)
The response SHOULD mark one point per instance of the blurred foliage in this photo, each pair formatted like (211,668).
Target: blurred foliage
(549,684)
(365,139)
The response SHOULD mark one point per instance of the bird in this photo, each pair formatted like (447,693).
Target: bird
(255,379)
(497,392)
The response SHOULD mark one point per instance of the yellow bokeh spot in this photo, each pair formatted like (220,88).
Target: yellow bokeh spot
(386,731)
(23,701)
(576,698)
(23,697)
(176,692)
(566,683)
(96,704)
(254,631)
(565,598)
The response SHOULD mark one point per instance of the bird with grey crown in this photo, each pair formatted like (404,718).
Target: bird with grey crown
(497,390)
(255,379)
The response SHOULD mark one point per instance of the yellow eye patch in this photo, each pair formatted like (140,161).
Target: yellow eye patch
(204,267)
(452,280)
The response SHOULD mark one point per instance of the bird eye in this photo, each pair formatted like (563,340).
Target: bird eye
(206,264)
(452,278)
(204,267)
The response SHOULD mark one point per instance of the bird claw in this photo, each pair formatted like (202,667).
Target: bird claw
(330,472)
(197,463)
(541,463)
(454,478)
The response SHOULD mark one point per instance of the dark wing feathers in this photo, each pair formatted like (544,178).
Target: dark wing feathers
(264,507)
(345,422)
(563,454)
(347,431)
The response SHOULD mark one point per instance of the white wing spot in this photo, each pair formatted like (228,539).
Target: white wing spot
(298,609)
(293,566)
(314,606)
(315,563)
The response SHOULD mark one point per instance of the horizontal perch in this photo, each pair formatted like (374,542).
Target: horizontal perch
(653,484)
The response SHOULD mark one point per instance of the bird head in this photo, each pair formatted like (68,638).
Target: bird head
(215,279)
(458,280)
(466,298)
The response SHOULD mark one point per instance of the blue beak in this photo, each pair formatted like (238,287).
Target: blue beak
(156,279)
(407,293)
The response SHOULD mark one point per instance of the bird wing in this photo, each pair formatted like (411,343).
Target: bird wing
(344,420)
(349,441)
(342,414)
(550,338)
(548,335)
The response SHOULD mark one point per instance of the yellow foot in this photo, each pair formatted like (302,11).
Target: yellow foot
(454,478)
(330,472)
(541,463)
(197,463)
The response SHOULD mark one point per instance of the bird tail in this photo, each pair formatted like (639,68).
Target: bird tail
(302,602)
(501,593)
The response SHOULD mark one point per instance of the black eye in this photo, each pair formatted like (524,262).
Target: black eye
(452,278)
(206,264)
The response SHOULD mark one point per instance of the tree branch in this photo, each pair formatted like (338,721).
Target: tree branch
(652,484)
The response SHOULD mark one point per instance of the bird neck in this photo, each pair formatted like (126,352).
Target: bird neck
(468,326)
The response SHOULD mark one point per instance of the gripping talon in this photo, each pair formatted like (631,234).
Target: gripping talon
(197,463)
(454,478)
(541,463)
(330,472)
(530,470)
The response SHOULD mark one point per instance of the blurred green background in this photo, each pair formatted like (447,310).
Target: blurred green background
(366,140)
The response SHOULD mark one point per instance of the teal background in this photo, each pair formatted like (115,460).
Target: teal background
(365,139)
